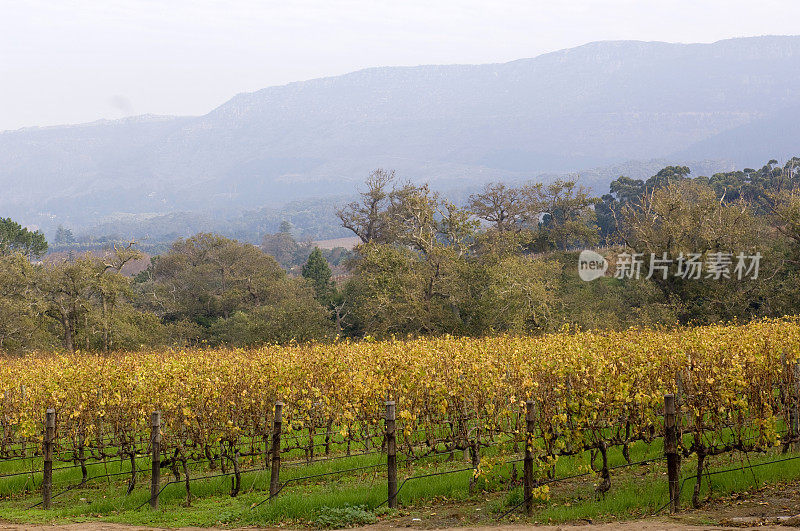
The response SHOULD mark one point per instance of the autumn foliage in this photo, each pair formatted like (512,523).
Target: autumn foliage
(590,390)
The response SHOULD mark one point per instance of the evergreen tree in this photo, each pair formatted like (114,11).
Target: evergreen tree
(64,236)
(317,270)
(14,238)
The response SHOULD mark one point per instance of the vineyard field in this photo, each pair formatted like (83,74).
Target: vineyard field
(595,401)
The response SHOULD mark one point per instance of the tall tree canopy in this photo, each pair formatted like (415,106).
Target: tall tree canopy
(222,285)
(16,238)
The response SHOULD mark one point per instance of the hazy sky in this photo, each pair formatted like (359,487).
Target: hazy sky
(68,61)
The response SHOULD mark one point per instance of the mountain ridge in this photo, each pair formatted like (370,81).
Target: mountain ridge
(597,105)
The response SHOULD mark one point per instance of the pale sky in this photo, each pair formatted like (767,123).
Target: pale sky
(72,61)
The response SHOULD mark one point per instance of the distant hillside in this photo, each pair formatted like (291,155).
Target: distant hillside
(602,105)
(777,133)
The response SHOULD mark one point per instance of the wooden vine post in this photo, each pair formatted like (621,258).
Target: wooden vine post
(49,442)
(24,441)
(391,452)
(671,451)
(155,451)
(275,473)
(794,413)
(527,468)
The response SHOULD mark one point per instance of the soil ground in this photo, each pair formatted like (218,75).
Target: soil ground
(645,525)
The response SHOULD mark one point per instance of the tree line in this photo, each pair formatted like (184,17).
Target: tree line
(505,261)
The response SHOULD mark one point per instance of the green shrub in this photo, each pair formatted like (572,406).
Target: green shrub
(342,517)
